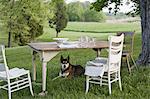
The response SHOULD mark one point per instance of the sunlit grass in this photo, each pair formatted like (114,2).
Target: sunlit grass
(103,27)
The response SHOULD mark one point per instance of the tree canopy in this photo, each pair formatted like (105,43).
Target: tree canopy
(23,19)
(80,11)
(60,18)
(140,7)
(75,11)
(100,4)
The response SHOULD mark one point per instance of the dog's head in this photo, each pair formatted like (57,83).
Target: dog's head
(64,62)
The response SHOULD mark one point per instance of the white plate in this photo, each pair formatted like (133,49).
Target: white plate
(70,43)
(61,39)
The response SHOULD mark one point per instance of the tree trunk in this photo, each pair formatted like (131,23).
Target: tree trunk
(10,23)
(57,34)
(144,57)
(9,33)
(9,39)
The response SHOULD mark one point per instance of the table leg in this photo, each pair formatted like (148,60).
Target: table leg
(33,65)
(98,52)
(45,57)
(44,70)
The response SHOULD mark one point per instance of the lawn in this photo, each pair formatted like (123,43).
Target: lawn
(136,85)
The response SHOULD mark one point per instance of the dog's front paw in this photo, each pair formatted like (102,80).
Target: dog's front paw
(65,75)
(60,74)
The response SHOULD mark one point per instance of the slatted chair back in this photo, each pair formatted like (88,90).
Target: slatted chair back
(115,52)
(3,63)
(128,40)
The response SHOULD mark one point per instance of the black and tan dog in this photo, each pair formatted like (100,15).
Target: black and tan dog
(68,70)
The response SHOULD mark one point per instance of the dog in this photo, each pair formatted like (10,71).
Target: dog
(68,70)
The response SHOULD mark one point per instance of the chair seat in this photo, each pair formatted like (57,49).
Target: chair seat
(98,66)
(2,68)
(13,73)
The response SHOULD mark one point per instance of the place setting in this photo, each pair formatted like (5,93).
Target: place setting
(82,42)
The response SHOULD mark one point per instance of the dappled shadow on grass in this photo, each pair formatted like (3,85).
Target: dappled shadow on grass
(134,86)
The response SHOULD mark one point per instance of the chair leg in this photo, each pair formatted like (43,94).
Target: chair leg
(9,94)
(119,81)
(9,90)
(133,61)
(87,84)
(109,84)
(127,57)
(30,84)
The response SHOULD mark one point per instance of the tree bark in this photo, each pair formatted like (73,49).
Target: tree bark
(144,57)
(9,39)
(10,23)
(57,34)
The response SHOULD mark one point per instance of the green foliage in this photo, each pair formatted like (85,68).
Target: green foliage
(94,16)
(75,11)
(60,18)
(27,31)
(99,4)
(23,19)
(78,11)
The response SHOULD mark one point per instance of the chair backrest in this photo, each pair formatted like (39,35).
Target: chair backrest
(3,63)
(115,52)
(128,40)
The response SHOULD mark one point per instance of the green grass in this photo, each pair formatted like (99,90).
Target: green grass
(76,29)
(103,27)
(136,85)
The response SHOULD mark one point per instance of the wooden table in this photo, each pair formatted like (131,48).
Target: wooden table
(48,50)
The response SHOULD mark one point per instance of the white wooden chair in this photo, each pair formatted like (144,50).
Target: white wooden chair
(105,71)
(15,78)
(127,52)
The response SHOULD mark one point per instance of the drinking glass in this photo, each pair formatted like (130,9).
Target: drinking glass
(93,41)
(83,41)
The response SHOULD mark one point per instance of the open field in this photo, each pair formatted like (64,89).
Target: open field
(75,29)
(103,27)
(136,85)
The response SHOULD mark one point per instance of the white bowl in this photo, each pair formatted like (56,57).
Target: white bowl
(61,40)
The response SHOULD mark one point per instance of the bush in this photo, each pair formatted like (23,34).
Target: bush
(93,16)
(78,11)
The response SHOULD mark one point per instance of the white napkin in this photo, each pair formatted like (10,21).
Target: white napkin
(96,67)
(94,71)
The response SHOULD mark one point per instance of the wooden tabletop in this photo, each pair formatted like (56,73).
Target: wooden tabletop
(53,46)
